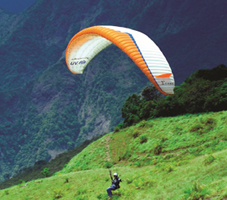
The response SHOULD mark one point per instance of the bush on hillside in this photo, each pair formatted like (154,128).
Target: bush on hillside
(209,159)
(116,129)
(204,91)
(196,192)
(143,139)
(45,172)
(157,149)
(136,133)
(58,193)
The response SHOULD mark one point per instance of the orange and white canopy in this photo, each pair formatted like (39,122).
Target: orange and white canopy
(140,48)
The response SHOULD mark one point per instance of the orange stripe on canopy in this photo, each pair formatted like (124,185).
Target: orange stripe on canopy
(166,75)
(124,42)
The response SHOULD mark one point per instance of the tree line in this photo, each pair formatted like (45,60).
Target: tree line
(204,91)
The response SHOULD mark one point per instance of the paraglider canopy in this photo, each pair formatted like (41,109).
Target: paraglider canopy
(140,48)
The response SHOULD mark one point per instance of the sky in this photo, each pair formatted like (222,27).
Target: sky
(15,6)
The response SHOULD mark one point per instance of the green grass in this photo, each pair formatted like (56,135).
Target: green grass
(34,172)
(181,157)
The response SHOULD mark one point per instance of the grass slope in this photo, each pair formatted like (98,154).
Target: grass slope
(56,164)
(181,157)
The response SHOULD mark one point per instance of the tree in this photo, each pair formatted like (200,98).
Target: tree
(45,172)
(150,93)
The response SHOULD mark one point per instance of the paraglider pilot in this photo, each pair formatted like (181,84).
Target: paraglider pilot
(115,184)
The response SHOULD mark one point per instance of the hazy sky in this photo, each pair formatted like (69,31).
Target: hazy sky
(15,6)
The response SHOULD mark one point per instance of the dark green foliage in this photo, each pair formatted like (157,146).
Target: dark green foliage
(150,93)
(131,109)
(215,74)
(137,108)
(137,164)
(45,172)
(203,126)
(203,91)
(143,139)
(136,133)
(195,128)
(196,192)
(164,138)
(22,182)
(117,129)
(157,149)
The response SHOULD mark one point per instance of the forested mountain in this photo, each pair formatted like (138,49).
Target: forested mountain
(45,110)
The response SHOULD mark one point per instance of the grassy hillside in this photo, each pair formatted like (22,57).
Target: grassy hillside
(181,157)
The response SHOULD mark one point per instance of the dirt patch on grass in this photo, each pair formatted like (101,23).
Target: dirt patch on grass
(107,147)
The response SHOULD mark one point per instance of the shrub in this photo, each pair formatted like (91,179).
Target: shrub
(143,139)
(196,128)
(22,181)
(106,178)
(116,129)
(108,165)
(143,123)
(134,157)
(58,193)
(210,120)
(164,138)
(210,123)
(66,180)
(178,129)
(196,192)
(157,149)
(136,133)
(223,196)
(137,164)
(209,159)
(169,168)
(155,162)
(45,172)
(6,192)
